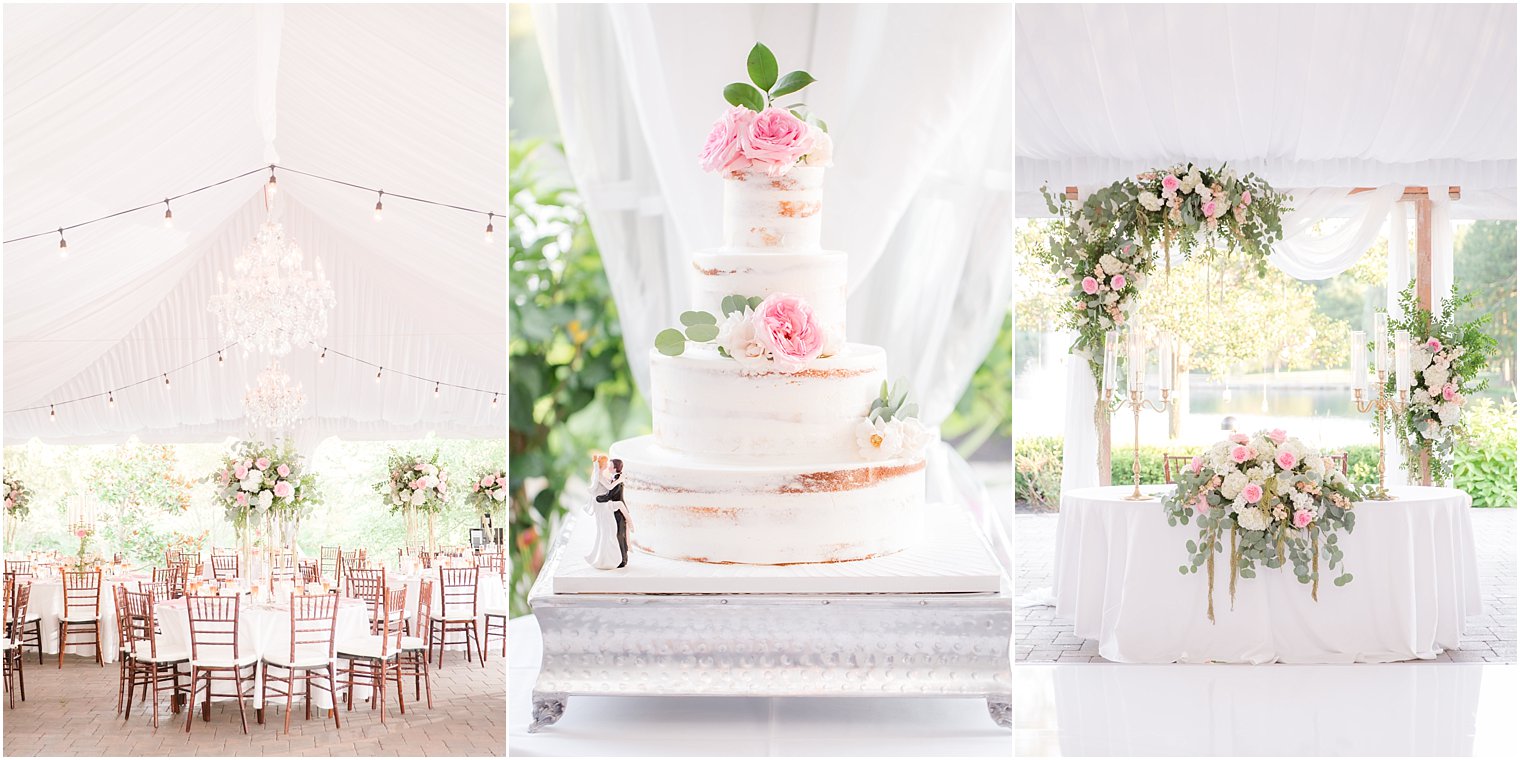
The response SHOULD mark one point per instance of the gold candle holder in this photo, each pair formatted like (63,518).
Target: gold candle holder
(1381,405)
(1137,402)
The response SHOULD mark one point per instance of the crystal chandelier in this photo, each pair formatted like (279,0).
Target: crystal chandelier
(271,303)
(274,404)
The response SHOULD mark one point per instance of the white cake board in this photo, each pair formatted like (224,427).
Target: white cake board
(953,557)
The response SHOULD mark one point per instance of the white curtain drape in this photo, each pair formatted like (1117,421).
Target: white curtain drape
(1306,253)
(1399,274)
(920,195)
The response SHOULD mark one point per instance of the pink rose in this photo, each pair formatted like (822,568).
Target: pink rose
(486,480)
(776,139)
(81,533)
(1209,208)
(1286,460)
(1240,454)
(1449,392)
(1201,504)
(785,327)
(1245,198)
(1169,184)
(1302,518)
(283,489)
(263,463)
(284,470)
(1196,465)
(1252,492)
(1278,435)
(1089,286)
(241,472)
(1240,438)
(241,498)
(1118,282)
(1433,344)
(501,481)
(722,152)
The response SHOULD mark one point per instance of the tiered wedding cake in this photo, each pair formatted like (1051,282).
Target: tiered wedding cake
(774,441)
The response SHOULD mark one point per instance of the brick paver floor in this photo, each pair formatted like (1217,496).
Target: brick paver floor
(71,713)
(1039,637)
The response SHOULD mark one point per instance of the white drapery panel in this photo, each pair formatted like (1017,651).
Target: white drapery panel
(1306,95)
(914,97)
(1305,255)
(111,106)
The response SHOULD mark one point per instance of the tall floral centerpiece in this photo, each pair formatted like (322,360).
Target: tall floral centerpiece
(18,499)
(260,483)
(488,492)
(1446,356)
(1280,500)
(416,485)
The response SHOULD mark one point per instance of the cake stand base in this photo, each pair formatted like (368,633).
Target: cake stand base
(770,644)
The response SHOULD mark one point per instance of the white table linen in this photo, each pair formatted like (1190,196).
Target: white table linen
(490,595)
(1416,581)
(262,630)
(47,601)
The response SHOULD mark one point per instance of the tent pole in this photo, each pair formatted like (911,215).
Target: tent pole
(1423,288)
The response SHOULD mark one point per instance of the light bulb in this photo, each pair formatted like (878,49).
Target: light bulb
(435,390)
(490,228)
(63,245)
(377,374)
(166,381)
(111,400)
(271,187)
(323,357)
(52,413)
(380,207)
(168,215)
(493,399)
(220,360)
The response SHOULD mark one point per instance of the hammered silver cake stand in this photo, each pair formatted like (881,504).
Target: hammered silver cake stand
(935,621)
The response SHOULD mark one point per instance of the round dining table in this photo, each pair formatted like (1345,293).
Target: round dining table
(47,603)
(1415,582)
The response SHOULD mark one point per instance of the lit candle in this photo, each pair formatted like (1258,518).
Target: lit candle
(1401,360)
(1359,362)
(1110,360)
(1136,360)
(1380,342)
(1166,362)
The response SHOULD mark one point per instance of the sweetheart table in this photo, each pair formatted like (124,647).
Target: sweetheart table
(1416,582)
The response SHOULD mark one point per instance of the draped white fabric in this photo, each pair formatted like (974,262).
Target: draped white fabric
(1307,95)
(1305,254)
(918,198)
(1079,444)
(112,106)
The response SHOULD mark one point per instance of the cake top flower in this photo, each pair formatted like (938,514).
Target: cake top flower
(755,133)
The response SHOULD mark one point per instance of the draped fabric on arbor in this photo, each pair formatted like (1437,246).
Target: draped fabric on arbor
(179,97)
(918,198)
(1349,96)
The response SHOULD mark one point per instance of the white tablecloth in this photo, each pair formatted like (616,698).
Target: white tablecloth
(489,596)
(47,601)
(261,631)
(1416,581)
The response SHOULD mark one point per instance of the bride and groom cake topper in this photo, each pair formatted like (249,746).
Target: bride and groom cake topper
(609,549)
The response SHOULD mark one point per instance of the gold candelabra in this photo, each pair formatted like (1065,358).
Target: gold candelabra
(1137,402)
(1383,403)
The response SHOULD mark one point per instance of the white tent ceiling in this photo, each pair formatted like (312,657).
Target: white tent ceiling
(108,107)
(1307,95)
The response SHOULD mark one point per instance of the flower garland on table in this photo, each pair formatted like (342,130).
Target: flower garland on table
(1106,248)
(777,333)
(1280,500)
(755,135)
(259,480)
(18,499)
(1446,357)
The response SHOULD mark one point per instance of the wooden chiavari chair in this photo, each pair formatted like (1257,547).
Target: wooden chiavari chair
(311,572)
(459,586)
(413,659)
(81,613)
(156,665)
(161,592)
(226,567)
(282,567)
(172,576)
(193,564)
(332,556)
(18,566)
(368,585)
(26,631)
(123,643)
(1173,465)
(215,652)
(313,628)
(18,595)
(374,659)
(496,617)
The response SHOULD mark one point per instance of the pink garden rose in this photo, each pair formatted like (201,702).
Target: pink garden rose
(1433,344)
(501,481)
(1240,454)
(784,324)
(1201,504)
(1252,492)
(1240,438)
(1196,465)
(1302,518)
(1245,198)
(1089,286)
(1286,460)
(262,463)
(1448,392)
(1210,209)
(721,152)
(775,140)
(81,533)
(241,498)
(284,490)
(1278,435)
(241,472)
(284,470)
(1169,184)
(1118,282)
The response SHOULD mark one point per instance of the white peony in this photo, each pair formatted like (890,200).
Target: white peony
(253,481)
(878,439)
(1232,484)
(737,336)
(1150,201)
(266,498)
(1251,518)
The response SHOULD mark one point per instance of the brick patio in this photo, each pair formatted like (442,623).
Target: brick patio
(468,719)
(1038,637)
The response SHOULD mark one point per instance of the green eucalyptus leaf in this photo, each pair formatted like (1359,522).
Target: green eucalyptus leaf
(744,95)
(701,333)
(690,318)
(670,342)
(762,66)
(792,82)
(755,301)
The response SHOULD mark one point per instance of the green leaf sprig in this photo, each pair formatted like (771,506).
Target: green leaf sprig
(892,404)
(767,86)
(701,326)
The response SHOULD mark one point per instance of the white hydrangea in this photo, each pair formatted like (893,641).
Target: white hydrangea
(1448,412)
(1251,518)
(1150,201)
(1435,377)
(1204,193)
(1232,484)
(1315,463)
(1301,500)
(1110,263)
(1419,358)
(1420,396)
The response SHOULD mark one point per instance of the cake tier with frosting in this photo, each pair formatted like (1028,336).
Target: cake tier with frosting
(769,214)
(712,407)
(820,278)
(688,509)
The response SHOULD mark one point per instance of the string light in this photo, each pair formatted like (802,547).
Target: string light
(168,215)
(52,414)
(435,389)
(377,374)
(323,358)
(111,400)
(220,361)
(380,206)
(489,227)
(166,381)
(272,186)
(494,396)
(63,245)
